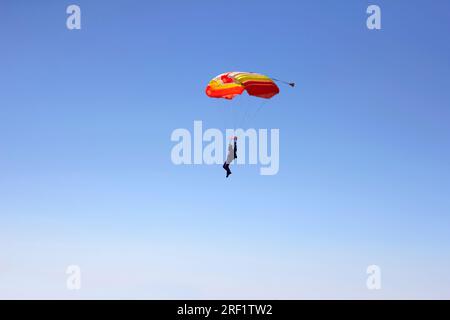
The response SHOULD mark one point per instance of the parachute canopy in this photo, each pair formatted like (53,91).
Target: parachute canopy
(230,84)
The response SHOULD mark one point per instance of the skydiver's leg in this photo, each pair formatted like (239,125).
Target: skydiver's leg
(226,166)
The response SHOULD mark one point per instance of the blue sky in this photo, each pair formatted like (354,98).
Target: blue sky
(86,176)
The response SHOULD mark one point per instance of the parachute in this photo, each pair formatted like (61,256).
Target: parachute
(230,84)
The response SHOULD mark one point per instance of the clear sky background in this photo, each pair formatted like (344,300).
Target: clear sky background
(86,176)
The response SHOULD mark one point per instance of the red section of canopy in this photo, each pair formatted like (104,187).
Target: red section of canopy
(261,89)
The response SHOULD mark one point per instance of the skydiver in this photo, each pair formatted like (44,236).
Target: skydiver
(232,154)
